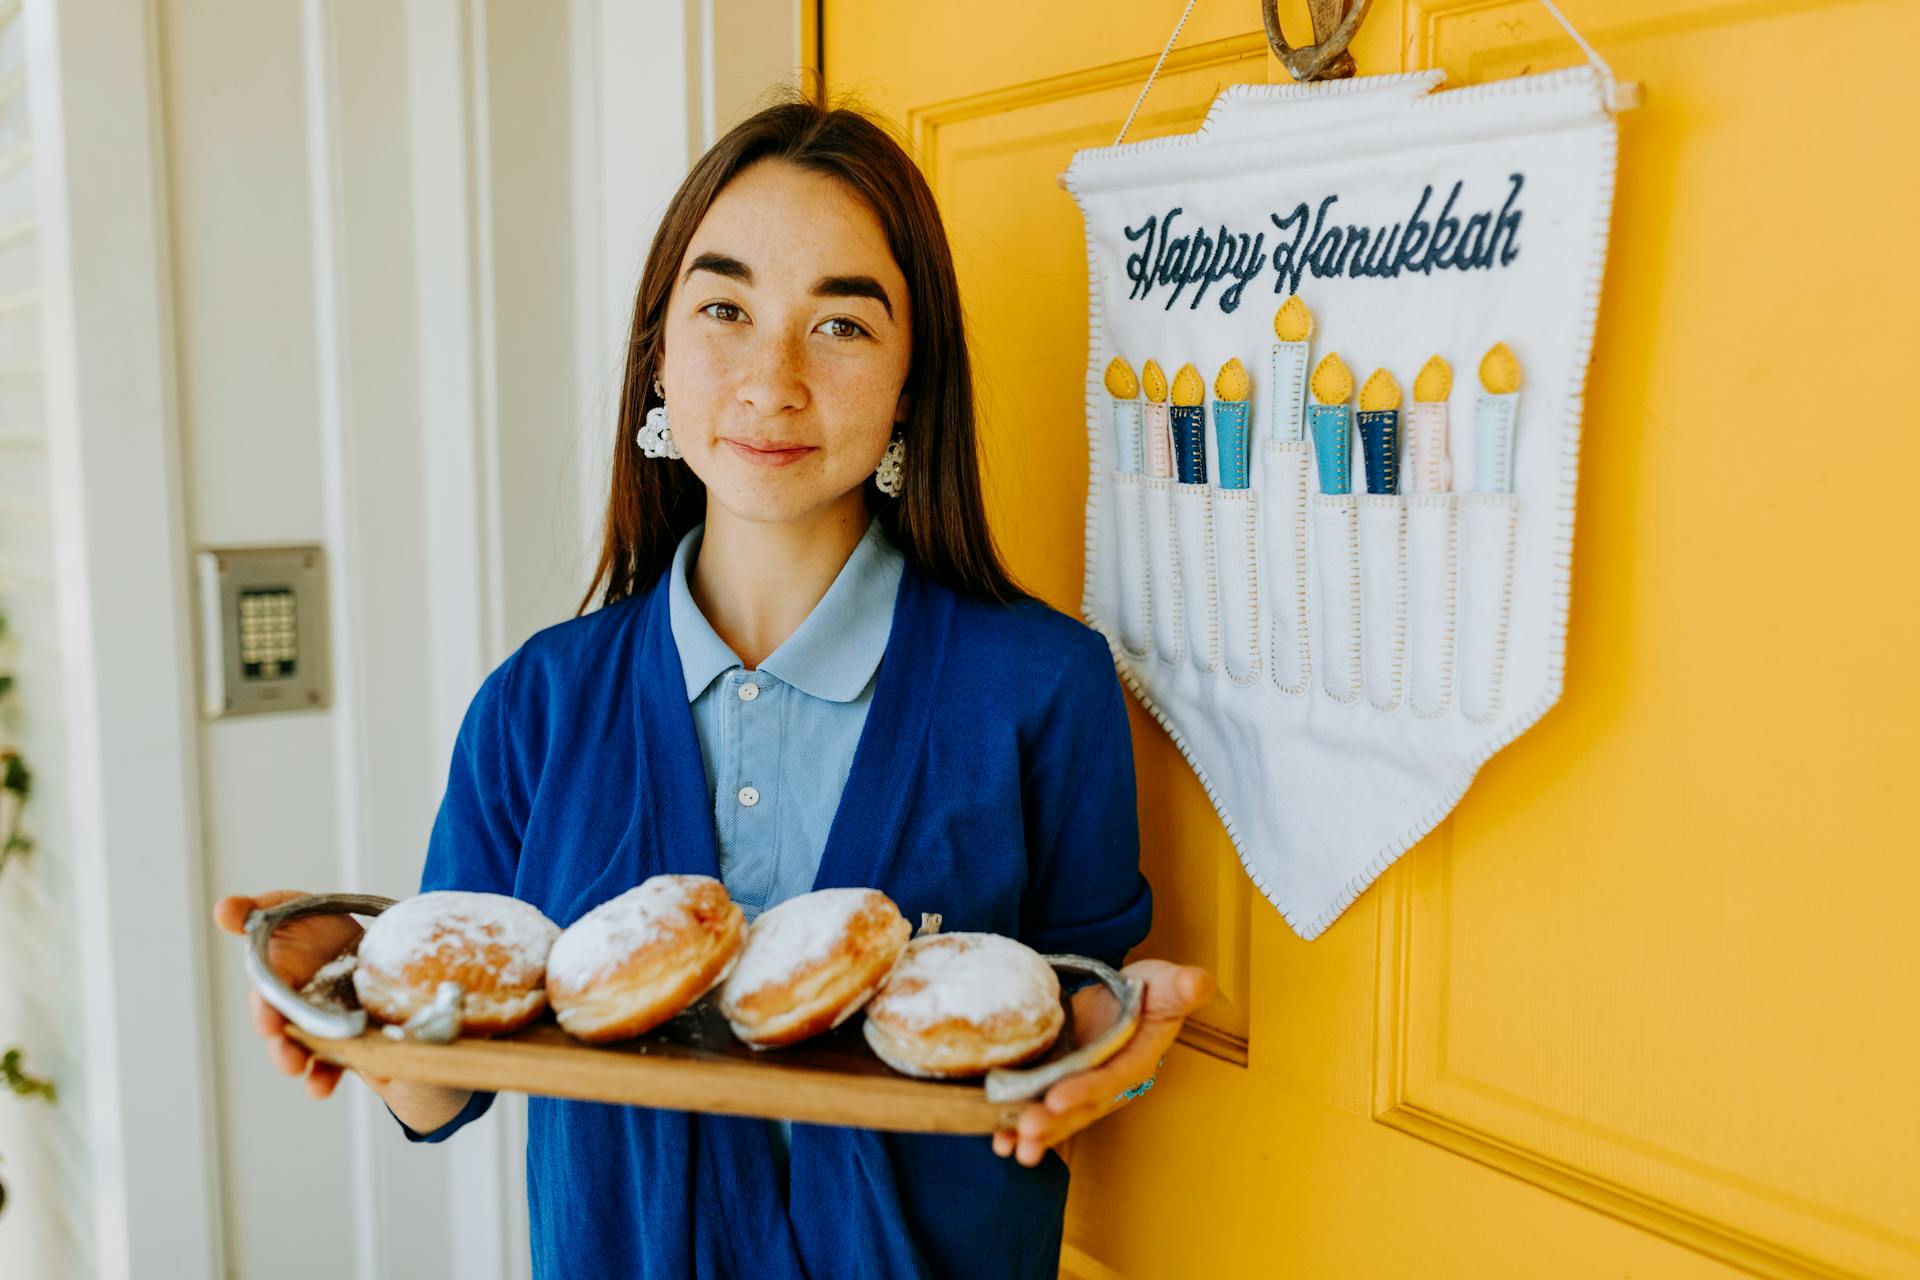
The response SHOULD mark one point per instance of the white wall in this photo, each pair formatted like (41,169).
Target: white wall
(394,249)
(43,1149)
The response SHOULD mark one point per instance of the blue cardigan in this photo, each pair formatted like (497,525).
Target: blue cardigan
(993,783)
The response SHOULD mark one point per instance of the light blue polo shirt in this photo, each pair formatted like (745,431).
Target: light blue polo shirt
(778,742)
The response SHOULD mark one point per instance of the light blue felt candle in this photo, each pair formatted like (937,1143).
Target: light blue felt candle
(1494,416)
(1127,434)
(1493,420)
(1286,413)
(1333,446)
(1230,432)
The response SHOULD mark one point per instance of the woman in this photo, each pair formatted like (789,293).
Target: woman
(809,669)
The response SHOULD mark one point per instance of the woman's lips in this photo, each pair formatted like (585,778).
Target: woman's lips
(771,453)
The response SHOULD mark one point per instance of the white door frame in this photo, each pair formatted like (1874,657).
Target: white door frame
(125,633)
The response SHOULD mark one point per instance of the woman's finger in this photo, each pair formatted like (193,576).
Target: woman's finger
(321,1079)
(231,913)
(267,1020)
(1043,1128)
(1004,1141)
(1174,990)
(288,1056)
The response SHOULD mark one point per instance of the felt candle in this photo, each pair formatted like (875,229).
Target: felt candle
(1159,437)
(1189,426)
(1124,388)
(1232,389)
(1493,420)
(1379,422)
(1292,326)
(1331,420)
(1428,469)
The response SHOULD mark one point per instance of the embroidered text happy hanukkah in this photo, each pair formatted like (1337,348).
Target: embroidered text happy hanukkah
(1310,240)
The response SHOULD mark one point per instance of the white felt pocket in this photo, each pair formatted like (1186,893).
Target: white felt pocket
(1237,584)
(1383,598)
(1193,518)
(1163,571)
(1431,569)
(1336,589)
(1283,561)
(1131,538)
(1487,522)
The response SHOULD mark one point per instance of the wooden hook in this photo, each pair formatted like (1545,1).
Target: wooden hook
(1334,22)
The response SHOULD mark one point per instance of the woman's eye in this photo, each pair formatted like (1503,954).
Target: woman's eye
(850,330)
(715,309)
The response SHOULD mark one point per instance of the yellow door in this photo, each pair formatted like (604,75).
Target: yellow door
(1648,1005)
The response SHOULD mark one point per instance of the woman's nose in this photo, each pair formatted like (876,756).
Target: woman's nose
(774,380)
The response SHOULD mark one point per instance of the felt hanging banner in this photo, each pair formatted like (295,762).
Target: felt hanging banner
(1338,345)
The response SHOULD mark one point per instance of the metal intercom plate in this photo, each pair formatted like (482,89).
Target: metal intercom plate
(263,629)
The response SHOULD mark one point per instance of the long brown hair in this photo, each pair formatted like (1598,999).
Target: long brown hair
(939,521)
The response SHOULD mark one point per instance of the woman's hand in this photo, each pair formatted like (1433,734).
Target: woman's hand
(296,951)
(1173,992)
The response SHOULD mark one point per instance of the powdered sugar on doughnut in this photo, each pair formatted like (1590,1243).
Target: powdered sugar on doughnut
(974,977)
(799,932)
(608,935)
(508,938)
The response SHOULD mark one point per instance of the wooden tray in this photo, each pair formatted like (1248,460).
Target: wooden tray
(692,1063)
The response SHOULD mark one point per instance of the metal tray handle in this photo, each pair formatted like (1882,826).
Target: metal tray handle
(330,1024)
(1006,1084)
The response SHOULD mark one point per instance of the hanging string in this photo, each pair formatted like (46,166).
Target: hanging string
(1593,55)
(1168,48)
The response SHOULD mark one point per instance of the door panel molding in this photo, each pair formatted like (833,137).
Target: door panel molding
(1416,1093)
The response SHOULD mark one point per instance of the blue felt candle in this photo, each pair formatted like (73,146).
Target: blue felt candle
(1379,421)
(1189,426)
(1190,443)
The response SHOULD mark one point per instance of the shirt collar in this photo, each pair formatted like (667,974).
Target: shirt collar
(831,655)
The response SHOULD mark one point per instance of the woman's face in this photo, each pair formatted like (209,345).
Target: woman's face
(786,345)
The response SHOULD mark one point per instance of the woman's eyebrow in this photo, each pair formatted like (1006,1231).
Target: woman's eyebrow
(852,287)
(722,265)
(825,287)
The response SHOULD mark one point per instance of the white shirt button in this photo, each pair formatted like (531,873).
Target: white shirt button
(749,797)
(749,691)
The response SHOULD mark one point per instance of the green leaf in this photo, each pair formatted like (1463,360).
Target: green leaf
(17,778)
(15,1077)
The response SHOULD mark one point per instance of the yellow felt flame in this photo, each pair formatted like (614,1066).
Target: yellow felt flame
(1292,322)
(1332,381)
(1435,382)
(1233,382)
(1121,384)
(1499,370)
(1187,387)
(1155,382)
(1380,392)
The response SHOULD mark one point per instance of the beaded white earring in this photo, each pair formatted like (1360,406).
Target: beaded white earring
(655,437)
(891,472)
